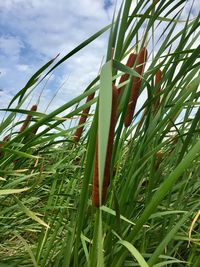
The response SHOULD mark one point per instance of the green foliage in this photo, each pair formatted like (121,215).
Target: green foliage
(151,213)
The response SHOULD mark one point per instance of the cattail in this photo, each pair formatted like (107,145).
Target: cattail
(157,102)
(106,178)
(174,141)
(159,156)
(141,59)
(31,134)
(5,139)
(1,152)
(130,63)
(142,119)
(82,120)
(34,131)
(28,118)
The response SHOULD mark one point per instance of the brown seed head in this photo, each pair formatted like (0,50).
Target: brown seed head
(82,120)
(130,63)
(141,61)
(28,118)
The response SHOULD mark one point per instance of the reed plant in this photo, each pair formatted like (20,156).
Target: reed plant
(127,193)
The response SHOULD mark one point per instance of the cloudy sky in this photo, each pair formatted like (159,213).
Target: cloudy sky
(34,31)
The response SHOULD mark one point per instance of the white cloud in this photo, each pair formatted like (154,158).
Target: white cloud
(11,46)
(22,67)
(3,72)
(53,26)
(41,30)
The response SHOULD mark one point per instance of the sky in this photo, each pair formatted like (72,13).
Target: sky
(33,31)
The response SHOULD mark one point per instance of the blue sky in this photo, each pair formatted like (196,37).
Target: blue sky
(34,31)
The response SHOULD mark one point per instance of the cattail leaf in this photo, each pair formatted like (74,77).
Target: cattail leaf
(79,47)
(31,82)
(20,153)
(13,191)
(48,117)
(170,262)
(113,213)
(105,106)
(119,66)
(122,29)
(162,191)
(27,247)
(134,252)
(22,111)
(30,213)
(171,233)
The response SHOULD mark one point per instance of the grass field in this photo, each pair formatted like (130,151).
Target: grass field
(116,180)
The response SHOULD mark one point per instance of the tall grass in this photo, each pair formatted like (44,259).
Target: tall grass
(151,210)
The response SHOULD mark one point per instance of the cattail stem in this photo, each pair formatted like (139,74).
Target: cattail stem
(82,120)
(106,179)
(140,63)
(28,119)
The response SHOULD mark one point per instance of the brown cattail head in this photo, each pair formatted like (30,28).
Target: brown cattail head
(1,152)
(34,131)
(174,140)
(159,156)
(5,139)
(27,120)
(106,179)
(141,60)
(82,120)
(157,102)
(130,63)
(142,119)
